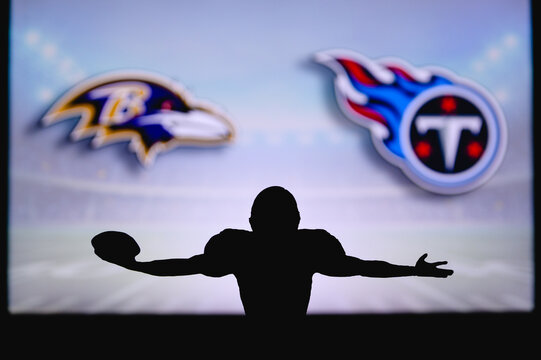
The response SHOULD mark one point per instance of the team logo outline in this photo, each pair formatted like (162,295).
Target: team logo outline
(62,110)
(448,184)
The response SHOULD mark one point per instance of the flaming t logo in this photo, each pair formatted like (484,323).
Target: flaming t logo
(446,133)
(153,113)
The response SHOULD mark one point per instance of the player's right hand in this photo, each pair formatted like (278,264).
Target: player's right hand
(115,247)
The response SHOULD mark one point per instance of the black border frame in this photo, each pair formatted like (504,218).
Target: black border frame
(487,332)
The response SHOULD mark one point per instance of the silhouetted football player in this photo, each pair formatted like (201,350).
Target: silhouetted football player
(273,264)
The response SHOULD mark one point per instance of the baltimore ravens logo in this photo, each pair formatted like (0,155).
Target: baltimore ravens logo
(447,134)
(150,111)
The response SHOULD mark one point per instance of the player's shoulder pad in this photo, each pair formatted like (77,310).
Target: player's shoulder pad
(323,240)
(225,240)
(316,233)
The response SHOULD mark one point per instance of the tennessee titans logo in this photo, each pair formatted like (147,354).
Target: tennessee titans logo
(447,134)
(152,112)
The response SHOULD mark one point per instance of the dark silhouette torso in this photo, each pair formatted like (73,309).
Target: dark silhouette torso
(274,272)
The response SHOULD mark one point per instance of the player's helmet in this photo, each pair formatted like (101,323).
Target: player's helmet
(274,210)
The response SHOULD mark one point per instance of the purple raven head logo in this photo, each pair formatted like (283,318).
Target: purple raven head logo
(150,111)
(446,133)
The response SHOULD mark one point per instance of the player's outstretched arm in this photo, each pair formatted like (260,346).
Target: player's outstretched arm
(351,266)
(197,264)
(169,267)
(121,249)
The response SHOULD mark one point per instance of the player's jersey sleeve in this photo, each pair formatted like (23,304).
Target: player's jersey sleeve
(221,252)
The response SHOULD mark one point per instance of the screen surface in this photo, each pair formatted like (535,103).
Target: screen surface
(255,64)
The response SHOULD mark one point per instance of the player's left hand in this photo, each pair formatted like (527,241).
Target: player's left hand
(423,268)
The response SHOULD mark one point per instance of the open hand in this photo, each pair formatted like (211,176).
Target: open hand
(423,268)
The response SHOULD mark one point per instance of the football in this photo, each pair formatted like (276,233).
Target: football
(115,245)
